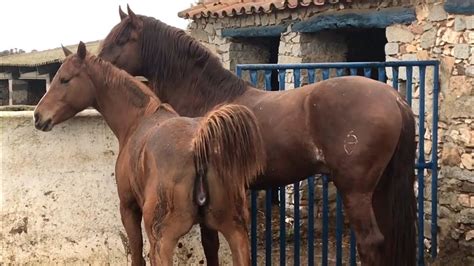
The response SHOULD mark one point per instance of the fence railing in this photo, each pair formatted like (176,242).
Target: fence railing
(419,82)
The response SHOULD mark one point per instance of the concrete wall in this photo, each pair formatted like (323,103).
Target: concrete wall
(58,197)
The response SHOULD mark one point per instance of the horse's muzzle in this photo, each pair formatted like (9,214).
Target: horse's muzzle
(42,125)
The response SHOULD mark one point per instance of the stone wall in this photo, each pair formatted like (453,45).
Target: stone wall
(450,39)
(58,198)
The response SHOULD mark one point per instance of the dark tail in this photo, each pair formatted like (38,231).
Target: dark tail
(400,244)
(229,138)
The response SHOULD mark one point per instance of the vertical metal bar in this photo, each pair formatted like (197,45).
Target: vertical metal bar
(281,79)
(421,162)
(367,72)
(296,195)
(282,226)
(382,77)
(325,73)
(238,71)
(325,239)
(268,226)
(353,249)
(253,227)
(434,167)
(339,229)
(296,77)
(311,75)
(395,77)
(311,221)
(268,80)
(409,84)
(10,92)
(253,77)
(340,72)
(296,201)
(353,71)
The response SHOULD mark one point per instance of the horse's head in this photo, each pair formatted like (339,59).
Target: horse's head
(122,46)
(71,91)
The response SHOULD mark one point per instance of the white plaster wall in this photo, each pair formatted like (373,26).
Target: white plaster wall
(58,196)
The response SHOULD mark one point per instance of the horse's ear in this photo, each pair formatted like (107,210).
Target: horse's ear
(66,51)
(122,14)
(81,50)
(133,17)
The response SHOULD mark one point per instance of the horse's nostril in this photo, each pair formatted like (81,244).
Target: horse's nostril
(36,117)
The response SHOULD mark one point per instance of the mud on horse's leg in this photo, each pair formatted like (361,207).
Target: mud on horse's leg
(210,244)
(131,219)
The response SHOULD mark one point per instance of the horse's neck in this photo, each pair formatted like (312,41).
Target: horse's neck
(200,88)
(116,106)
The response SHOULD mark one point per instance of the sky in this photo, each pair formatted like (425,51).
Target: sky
(46,24)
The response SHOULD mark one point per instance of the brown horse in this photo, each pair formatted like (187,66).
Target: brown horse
(358,130)
(173,171)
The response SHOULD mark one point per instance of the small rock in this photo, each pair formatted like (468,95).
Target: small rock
(391,48)
(437,13)
(416,29)
(464,200)
(422,55)
(450,156)
(411,48)
(399,34)
(459,86)
(472,202)
(467,161)
(461,51)
(459,23)
(470,22)
(428,26)
(451,36)
(470,71)
(437,50)
(428,39)
(470,235)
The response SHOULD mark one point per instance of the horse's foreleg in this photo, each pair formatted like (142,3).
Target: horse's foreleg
(210,244)
(131,219)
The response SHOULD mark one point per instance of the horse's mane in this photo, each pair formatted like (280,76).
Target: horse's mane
(119,79)
(174,60)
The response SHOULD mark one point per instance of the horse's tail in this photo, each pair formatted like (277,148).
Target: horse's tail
(400,247)
(229,139)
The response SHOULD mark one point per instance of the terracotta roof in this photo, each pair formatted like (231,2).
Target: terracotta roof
(230,8)
(40,58)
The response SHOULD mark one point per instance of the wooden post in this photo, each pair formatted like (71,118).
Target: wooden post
(10,92)
(48,81)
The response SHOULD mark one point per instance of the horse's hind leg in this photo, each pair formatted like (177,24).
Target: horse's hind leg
(210,244)
(131,219)
(237,236)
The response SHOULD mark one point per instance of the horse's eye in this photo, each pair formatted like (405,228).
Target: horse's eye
(64,81)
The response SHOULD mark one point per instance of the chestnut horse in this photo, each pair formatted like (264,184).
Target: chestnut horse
(173,171)
(359,131)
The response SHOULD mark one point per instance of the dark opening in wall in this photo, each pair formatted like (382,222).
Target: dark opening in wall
(256,50)
(365,45)
(4,93)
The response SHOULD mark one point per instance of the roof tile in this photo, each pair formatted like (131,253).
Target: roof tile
(229,8)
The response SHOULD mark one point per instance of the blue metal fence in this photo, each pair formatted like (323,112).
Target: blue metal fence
(400,73)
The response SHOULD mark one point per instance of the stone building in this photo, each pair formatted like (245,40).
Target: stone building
(24,78)
(301,31)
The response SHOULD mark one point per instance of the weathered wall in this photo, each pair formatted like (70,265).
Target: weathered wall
(58,196)
(450,39)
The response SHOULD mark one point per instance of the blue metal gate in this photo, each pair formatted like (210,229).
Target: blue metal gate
(410,76)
